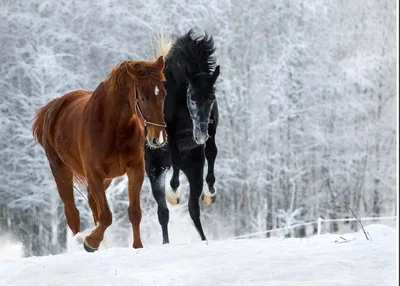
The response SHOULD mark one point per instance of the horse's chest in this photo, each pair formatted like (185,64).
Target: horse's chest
(119,159)
(184,136)
(129,139)
(129,146)
(184,141)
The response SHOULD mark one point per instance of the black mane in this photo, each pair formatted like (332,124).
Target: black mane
(196,53)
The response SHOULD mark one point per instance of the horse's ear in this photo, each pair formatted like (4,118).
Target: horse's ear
(216,73)
(114,68)
(160,62)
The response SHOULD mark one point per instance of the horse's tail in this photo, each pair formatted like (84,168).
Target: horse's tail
(44,120)
(43,126)
(163,44)
(38,123)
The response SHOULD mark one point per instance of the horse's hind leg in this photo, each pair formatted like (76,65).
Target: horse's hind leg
(194,172)
(157,164)
(96,188)
(209,191)
(92,202)
(64,181)
(93,207)
(174,193)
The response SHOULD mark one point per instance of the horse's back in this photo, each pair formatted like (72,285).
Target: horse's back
(48,116)
(67,111)
(68,125)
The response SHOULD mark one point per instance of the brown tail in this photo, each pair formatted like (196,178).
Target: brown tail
(43,124)
(37,126)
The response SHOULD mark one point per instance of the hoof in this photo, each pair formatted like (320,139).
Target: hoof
(88,248)
(207,197)
(137,245)
(173,197)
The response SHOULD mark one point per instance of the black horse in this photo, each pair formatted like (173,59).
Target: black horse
(191,115)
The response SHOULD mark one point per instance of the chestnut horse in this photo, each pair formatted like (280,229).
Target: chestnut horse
(95,136)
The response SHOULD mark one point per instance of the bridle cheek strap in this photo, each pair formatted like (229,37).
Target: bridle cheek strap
(137,107)
(140,115)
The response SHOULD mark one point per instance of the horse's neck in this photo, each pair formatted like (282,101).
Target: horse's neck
(178,113)
(175,101)
(122,110)
(112,105)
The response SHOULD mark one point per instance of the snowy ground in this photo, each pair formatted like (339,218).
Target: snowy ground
(319,260)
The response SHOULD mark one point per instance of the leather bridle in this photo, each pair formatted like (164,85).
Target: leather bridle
(137,107)
(140,115)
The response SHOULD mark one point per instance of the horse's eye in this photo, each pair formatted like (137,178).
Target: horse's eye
(192,102)
(210,98)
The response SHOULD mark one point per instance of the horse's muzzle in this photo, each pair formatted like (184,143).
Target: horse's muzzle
(200,133)
(157,143)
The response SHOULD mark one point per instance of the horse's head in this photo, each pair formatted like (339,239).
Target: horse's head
(148,98)
(200,100)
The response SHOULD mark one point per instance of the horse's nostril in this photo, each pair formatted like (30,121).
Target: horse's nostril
(155,141)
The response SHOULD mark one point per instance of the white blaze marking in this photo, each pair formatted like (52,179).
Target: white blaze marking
(156,90)
(161,137)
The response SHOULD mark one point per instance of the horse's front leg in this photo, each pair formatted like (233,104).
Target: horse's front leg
(104,216)
(136,177)
(173,193)
(193,169)
(157,164)
(209,191)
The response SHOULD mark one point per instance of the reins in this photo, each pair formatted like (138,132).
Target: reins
(137,107)
(77,189)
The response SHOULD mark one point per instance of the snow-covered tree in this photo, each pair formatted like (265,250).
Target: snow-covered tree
(307,99)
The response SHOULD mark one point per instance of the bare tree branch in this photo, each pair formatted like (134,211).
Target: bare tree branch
(358,220)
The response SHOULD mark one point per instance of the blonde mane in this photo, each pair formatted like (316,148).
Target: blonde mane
(163,45)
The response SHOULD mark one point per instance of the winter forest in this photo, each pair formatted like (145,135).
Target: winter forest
(307,99)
